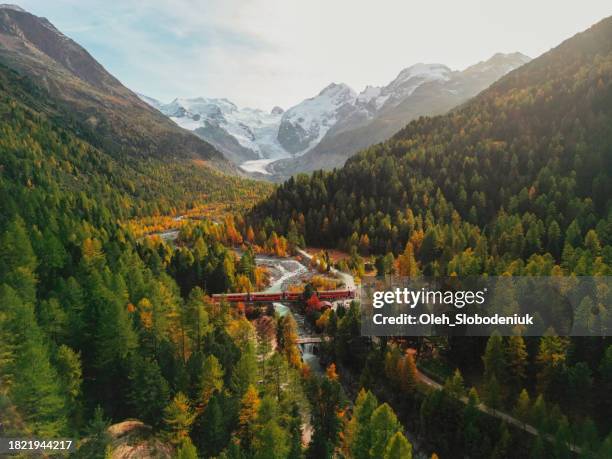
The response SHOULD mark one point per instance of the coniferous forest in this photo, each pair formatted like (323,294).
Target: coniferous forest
(109,334)
(515,182)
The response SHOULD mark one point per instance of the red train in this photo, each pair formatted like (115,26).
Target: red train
(281,296)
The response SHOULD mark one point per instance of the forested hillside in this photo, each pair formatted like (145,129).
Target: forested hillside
(515,182)
(78,83)
(519,176)
(100,327)
(97,327)
(89,332)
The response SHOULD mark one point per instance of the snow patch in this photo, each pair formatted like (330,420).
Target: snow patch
(257,166)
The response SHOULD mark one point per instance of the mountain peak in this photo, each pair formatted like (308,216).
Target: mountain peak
(500,61)
(9,6)
(334,89)
(423,71)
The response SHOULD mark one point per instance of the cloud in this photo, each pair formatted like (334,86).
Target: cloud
(267,52)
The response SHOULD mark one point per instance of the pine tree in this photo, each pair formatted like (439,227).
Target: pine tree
(247,417)
(407,264)
(454,385)
(271,442)
(70,373)
(358,434)
(517,361)
(149,391)
(210,430)
(406,372)
(187,450)
(33,382)
(245,371)
(523,406)
(295,431)
(195,318)
(211,380)
(492,393)
(98,438)
(384,425)
(494,359)
(398,447)
(18,261)
(178,417)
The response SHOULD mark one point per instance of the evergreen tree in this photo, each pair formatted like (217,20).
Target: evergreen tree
(210,430)
(149,391)
(178,417)
(33,382)
(98,438)
(523,406)
(358,430)
(454,385)
(211,380)
(272,442)
(187,450)
(398,447)
(517,361)
(247,418)
(245,372)
(384,425)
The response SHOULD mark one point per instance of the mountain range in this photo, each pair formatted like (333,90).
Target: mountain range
(324,130)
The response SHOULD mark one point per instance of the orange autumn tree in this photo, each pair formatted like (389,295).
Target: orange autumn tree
(250,235)
(406,262)
(406,371)
(287,337)
(249,408)
(331,373)
(313,303)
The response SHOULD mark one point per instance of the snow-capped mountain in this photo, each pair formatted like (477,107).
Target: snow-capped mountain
(303,126)
(242,134)
(322,131)
(404,85)
(380,112)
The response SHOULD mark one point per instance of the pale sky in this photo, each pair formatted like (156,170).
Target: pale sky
(261,53)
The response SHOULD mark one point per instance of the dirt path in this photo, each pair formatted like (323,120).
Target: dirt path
(493,412)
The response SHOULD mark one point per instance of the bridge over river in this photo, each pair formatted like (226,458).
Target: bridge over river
(311,339)
(266,297)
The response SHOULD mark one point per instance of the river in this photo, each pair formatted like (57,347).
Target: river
(283,272)
(286,271)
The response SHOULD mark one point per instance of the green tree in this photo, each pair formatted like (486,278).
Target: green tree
(211,380)
(178,417)
(492,393)
(398,447)
(33,382)
(455,385)
(358,434)
(149,391)
(71,377)
(272,442)
(494,359)
(210,430)
(522,409)
(98,438)
(187,450)
(245,371)
(516,353)
(384,425)
(18,261)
